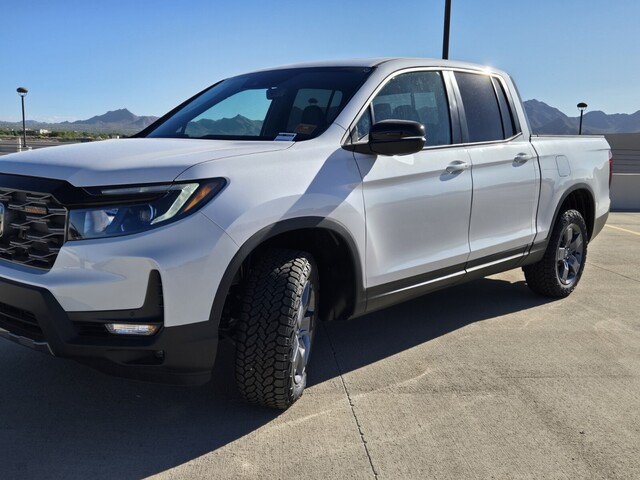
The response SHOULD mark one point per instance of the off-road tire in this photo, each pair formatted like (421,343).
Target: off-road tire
(564,257)
(268,335)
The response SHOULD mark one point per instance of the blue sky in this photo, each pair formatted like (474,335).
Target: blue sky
(83,58)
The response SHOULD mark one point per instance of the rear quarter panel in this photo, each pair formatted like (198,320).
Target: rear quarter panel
(568,162)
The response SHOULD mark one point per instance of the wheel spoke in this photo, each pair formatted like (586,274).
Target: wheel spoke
(564,273)
(560,255)
(306,296)
(576,245)
(302,353)
(306,315)
(299,361)
(568,235)
(574,264)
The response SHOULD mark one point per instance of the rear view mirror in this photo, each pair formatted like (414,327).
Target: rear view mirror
(275,92)
(393,137)
(396,137)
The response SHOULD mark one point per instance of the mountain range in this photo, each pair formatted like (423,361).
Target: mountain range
(237,125)
(115,118)
(543,118)
(120,121)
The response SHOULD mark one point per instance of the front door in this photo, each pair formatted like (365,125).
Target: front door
(417,206)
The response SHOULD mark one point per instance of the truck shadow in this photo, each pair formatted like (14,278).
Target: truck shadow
(367,339)
(61,420)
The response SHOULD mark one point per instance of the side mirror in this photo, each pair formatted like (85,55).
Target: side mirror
(392,137)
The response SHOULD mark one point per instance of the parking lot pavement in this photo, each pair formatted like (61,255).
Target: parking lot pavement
(484,380)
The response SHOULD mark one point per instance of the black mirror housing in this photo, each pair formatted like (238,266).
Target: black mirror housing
(396,137)
(392,137)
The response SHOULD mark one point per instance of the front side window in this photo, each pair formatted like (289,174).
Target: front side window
(294,104)
(416,96)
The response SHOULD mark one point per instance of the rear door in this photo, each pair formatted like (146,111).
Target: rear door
(504,171)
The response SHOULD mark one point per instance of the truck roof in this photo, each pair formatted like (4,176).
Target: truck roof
(390,62)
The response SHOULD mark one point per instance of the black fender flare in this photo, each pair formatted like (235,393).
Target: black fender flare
(539,246)
(565,195)
(284,226)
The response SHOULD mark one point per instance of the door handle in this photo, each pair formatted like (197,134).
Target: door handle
(521,158)
(457,166)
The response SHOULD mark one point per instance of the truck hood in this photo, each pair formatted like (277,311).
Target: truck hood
(127,161)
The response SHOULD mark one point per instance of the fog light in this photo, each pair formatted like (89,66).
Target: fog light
(132,328)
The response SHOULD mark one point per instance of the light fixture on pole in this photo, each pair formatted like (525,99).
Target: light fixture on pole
(23,92)
(582,107)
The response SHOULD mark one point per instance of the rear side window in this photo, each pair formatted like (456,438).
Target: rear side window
(484,123)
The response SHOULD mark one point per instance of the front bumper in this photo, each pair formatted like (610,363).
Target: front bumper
(168,275)
(181,355)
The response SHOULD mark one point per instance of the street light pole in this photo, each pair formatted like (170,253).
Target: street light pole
(582,107)
(447,23)
(23,92)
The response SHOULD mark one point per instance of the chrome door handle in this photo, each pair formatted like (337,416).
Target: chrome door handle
(521,157)
(457,166)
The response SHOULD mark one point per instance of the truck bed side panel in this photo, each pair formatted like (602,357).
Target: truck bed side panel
(567,163)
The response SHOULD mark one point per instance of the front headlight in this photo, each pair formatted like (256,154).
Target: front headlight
(134,209)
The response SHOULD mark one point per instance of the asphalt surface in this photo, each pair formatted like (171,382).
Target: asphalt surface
(10,146)
(485,380)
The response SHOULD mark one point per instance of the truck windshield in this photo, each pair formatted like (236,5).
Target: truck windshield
(289,104)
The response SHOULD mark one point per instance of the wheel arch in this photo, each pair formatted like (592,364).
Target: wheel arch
(334,250)
(579,197)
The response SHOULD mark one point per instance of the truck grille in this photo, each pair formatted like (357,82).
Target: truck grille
(33,227)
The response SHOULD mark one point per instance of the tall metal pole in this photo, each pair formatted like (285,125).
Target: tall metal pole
(23,92)
(580,128)
(447,23)
(24,126)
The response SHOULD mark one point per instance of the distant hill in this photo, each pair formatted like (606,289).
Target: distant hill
(115,121)
(113,116)
(121,120)
(545,119)
(237,125)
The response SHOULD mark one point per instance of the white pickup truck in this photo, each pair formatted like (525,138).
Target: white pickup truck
(280,197)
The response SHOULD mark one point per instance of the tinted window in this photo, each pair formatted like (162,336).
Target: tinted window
(484,122)
(507,117)
(299,102)
(238,114)
(417,96)
(326,100)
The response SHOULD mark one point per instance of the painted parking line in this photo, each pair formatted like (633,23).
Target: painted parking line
(623,230)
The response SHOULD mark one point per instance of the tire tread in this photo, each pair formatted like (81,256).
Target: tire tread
(541,276)
(266,328)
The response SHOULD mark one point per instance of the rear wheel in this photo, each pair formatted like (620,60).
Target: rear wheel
(557,274)
(276,328)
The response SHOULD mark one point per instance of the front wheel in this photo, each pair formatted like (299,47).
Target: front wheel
(276,328)
(557,274)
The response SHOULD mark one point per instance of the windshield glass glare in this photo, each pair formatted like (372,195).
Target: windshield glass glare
(290,104)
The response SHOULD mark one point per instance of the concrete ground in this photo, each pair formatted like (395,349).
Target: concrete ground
(485,380)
